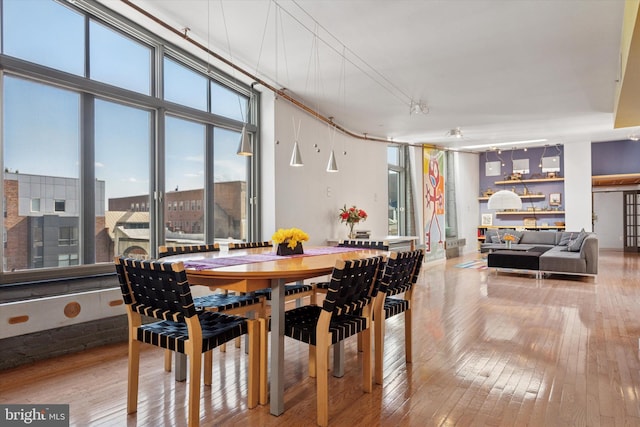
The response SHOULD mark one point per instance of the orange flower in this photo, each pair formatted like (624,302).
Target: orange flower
(509,238)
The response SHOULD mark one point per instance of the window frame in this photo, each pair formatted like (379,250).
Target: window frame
(91,89)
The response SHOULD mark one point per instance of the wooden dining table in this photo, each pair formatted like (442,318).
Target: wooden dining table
(247,270)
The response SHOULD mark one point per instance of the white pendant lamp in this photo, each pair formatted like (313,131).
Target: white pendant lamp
(332,166)
(504,199)
(244,149)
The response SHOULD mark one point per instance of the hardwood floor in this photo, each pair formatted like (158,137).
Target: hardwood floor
(489,350)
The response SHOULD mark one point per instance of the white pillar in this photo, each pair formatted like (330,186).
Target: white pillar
(577,186)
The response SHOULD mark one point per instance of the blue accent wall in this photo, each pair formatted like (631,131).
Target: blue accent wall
(615,157)
(534,155)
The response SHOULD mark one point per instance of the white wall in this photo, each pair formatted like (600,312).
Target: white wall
(309,197)
(577,185)
(467,184)
(607,208)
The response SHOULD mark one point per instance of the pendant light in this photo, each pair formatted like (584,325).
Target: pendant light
(296,158)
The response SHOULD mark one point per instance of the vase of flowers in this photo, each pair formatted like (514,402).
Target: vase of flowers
(289,241)
(351,216)
(508,240)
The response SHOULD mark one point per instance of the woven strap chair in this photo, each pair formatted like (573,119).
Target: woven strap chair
(371,244)
(220,302)
(345,312)
(321,287)
(164,251)
(160,290)
(295,291)
(400,274)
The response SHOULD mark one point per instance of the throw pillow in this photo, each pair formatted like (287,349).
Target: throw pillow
(495,239)
(575,244)
(566,238)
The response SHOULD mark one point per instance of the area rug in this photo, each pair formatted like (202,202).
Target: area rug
(478,264)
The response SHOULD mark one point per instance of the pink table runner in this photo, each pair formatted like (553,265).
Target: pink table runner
(207,263)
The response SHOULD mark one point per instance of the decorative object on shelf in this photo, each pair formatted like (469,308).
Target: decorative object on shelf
(515,176)
(351,216)
(529,222)
(504,199)
(487,219)
(289,240)
(555,199)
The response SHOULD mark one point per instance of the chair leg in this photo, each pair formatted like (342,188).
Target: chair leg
(208,368)
(367,380)
(264,360)
(254,380)
(407,335)
(195,365)
(323,343)
(167,360)
(313,367)
(134,369)
(378,333)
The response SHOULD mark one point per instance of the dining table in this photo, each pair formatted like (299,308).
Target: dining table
(248,270)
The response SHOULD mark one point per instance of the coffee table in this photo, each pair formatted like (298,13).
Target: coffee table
(517,259)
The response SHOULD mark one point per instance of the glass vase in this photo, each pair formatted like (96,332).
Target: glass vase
(352,234)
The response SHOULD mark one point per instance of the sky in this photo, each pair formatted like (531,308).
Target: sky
(42,123)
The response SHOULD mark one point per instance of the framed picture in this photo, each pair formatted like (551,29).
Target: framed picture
(529,222)
(555,199)
(487,219)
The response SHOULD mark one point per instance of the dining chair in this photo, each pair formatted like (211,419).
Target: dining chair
(321,287)
(160,290)
(219,301)
(164,251)
(400,274)
(372,244)
(346,311)
(292,291)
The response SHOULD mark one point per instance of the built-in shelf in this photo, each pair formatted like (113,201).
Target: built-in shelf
(526,181)
(520,227)
(531,213)
(522,196)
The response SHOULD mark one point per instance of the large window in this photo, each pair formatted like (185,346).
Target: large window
(41,161)
(396,185)
(230,176)
(93,170)
(119,60)
(44,32)
(122,141)
(185,178)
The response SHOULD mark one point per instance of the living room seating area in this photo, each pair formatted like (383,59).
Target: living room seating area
(555,251)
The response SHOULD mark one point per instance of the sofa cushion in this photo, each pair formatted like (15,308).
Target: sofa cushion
(538,238)
(562,261)
(576,243)
(495,239)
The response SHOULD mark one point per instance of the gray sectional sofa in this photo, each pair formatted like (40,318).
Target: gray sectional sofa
(568,253)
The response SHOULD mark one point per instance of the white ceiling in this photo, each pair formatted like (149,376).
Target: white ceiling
(500,70)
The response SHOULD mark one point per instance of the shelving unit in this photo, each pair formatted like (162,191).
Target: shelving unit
(530,213)
(526,181)
(533,196)
(522,196)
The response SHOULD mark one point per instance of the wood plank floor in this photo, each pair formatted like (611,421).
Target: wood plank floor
(489,350)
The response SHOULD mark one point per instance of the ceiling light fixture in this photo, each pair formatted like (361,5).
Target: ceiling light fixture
(296,158)
(541,157)
(502,144)
(456,133)
(419,107)
(244,149)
